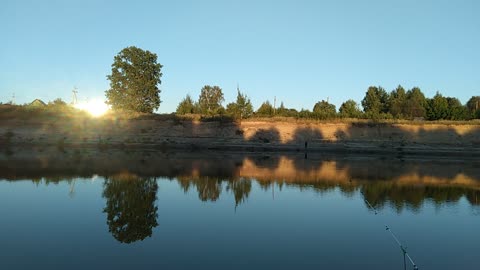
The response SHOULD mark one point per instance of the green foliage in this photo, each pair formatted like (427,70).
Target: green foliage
(415,103)
(186,106)
(305,114)
(324,110)
(375,100)
(397,101)
(456,111)
(57,102)
(286,112)
(242,108)
(210,100)
(134,81)
(350,109)
(265,110)
(437,108)
(473,107)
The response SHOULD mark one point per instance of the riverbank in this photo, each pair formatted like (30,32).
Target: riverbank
(248,135)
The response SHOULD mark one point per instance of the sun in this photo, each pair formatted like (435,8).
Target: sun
(95,107)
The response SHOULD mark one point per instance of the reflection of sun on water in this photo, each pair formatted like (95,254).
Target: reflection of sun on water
(95,107)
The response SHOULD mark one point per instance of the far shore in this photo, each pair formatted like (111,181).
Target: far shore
(253,135)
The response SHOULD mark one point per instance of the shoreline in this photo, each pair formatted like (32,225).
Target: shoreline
(246,136)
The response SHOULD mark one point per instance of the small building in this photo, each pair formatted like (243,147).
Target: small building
(37,103)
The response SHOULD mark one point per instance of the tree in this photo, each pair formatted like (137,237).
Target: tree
(210,100)
(186,106)
(415,104)
(437,107)
(375,100)
(396,102)
(350,109)
(131,210)
(456,111)
(473,107)
(242,108)
(303,113)
(266,109)
(324,110)
(134,81)
(58,102)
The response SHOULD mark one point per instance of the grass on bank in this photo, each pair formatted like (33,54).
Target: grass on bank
(65,112)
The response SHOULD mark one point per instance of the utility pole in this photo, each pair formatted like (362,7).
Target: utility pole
(274,105)
(74,96)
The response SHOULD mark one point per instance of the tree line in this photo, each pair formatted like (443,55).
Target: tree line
(377,104)
(136,75)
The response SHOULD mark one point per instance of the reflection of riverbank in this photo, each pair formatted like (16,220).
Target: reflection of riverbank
(28,163)
(381,180)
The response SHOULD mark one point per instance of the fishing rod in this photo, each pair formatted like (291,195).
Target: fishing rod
(402,247)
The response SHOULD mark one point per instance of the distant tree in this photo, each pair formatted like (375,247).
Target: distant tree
(210,100)
(59,102)
(396,102)
(186,106)
(291,112)
(324,110)
(437,108)
(266,109)
(456,111)
(375,100)
(286,112)
(415,104)
(282,111)
(350,109)
(303,113)
(242,108)
(473,107)
(134,81)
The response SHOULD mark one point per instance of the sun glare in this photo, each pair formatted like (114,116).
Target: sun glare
(95,107)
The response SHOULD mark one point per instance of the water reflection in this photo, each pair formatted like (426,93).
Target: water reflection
(130,207)
(130,185)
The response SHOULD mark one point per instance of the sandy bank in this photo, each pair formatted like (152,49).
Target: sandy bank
(425,139)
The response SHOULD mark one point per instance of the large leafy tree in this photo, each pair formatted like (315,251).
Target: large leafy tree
(134,81)
(210,100)
(242,108)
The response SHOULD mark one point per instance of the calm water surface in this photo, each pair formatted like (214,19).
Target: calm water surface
(148,210)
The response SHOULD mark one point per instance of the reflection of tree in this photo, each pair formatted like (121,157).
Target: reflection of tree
(209,188)
(240,188)
(473,196)
(399,196)
(131,210)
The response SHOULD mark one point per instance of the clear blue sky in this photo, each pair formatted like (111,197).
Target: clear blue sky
(299,51)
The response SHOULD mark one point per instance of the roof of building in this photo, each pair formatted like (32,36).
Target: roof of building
(37,102)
